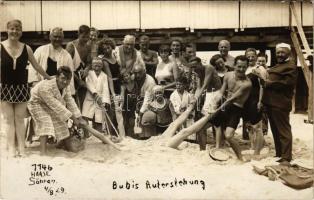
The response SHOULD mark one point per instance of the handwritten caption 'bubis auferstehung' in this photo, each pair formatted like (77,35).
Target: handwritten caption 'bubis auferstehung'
(157,184)
(41,174)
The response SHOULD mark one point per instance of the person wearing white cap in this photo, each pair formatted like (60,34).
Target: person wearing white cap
(283,45)
(278,93)
(127,55)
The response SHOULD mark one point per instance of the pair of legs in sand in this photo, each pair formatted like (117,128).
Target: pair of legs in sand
(175,140)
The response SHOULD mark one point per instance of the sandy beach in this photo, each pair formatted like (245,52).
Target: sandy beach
(149,170)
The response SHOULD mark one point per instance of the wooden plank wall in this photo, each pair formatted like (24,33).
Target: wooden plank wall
(266,14)
(26,11)
(307,18)
(113,15)
(214,15)
(167,14)
(67,14)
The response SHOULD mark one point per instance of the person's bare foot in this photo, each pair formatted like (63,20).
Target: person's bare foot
(257,157)
(20,154)
(246,158)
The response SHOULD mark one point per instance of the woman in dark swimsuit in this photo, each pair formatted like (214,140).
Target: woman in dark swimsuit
(14,89)
(129,96)
(112,69)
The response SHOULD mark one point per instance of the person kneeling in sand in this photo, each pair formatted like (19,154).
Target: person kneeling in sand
(51,106)
(238,88)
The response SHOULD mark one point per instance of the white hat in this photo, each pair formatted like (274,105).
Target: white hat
(283,45)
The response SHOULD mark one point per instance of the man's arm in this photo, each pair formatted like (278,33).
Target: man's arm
(109,76)
(106,93)
(173,113)
(147,99)
(46,96)
(243,90)
(287,78)
(139,59)
(148,88)
(33,75)
(261,93)
(223,88)
(122,96)
(70,49)
(175,105)
(35,64)
(90,85)
(88,62)
(208,76)
(70,103)
(69,63)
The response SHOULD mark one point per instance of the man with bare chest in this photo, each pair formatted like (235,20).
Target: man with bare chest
(238,88)
(80,49)
(150,57)
(80,52)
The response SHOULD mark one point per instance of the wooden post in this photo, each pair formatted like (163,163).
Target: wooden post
(308,75)
(298,50)
(306,71)
(300,29)
(294,58)
(310,103)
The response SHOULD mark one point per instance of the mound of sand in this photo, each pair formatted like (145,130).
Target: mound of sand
(95,172)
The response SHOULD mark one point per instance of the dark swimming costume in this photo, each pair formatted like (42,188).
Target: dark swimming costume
(14,87)
(228,117)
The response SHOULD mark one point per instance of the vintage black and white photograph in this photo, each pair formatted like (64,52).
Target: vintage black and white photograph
(156,99)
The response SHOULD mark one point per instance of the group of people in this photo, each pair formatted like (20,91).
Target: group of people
(121,91)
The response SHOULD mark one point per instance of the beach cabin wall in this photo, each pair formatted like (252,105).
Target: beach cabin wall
(307,11)
(67,14)
(29,12)
(115,15)
(111,15)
